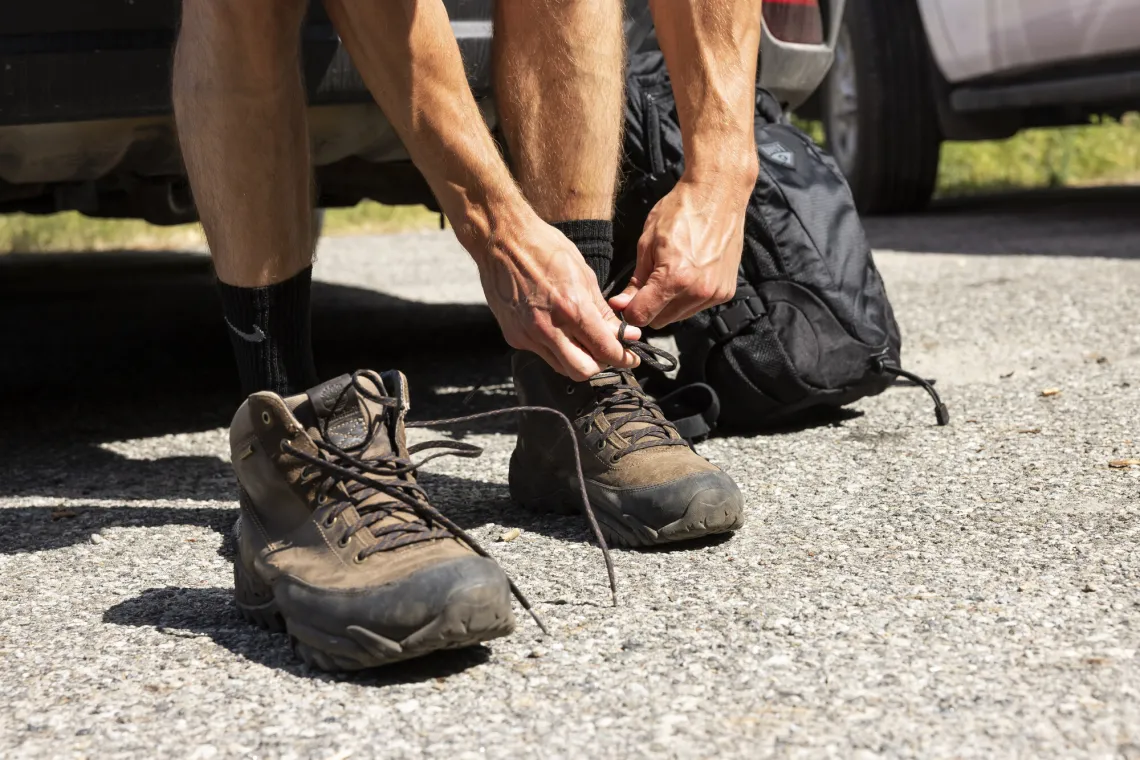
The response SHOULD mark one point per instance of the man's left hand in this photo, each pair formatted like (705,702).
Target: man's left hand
(689,252)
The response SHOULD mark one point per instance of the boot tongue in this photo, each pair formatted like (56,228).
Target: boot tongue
(345,415)
(615,377)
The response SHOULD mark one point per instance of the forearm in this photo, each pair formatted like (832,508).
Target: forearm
(410,61)
(711,48)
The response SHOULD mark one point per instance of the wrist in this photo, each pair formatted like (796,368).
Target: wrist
(482,222)
(733,169)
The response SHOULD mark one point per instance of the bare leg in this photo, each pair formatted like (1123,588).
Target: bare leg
(240,108)
(558,87)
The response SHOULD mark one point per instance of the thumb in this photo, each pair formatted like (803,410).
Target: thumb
(622,299)
(637,281)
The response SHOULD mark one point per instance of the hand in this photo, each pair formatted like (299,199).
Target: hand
(689,252)
(547,300)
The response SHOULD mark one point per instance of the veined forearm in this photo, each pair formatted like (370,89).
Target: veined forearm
(711,48)
(408,57)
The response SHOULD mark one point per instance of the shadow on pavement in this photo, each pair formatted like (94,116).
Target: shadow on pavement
(1100,221)
(108,346)
(210,612)
(33,529)
(103,347)
(471,504)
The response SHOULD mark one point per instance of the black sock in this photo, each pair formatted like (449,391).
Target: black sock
(270,331)
(595,239)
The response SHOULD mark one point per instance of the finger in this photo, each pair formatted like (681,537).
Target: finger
(676,311)
(684,304)
(548,356)
(576,363)
(649,302)
(552,359)
(631,332)
(641,272)
(622,299)
(622,358)
(598,336)
(613,323)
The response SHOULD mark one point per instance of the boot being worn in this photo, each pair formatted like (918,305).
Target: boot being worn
(337,544)
(645,484)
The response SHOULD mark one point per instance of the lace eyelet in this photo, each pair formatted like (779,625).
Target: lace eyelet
(342,541)
(323,499)
(570,390)
(266,418)
(358,558)
(601,444)
(586,426)
(329,521)
(614,458)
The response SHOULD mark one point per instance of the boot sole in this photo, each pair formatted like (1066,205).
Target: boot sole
(460,625)
(701,517)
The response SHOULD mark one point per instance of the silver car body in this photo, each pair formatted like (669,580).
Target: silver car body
(971,39)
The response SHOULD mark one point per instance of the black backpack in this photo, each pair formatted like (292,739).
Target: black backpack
(810,327)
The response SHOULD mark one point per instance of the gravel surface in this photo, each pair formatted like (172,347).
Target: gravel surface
(898,589)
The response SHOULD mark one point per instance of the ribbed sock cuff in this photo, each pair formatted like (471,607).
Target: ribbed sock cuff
(271,334)
(595,240)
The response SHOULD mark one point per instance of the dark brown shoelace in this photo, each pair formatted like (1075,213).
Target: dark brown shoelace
(625,402)
(357,479)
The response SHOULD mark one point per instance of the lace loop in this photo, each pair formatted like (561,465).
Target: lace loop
(655,357)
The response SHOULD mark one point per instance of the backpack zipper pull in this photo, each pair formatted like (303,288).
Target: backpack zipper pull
(941,413)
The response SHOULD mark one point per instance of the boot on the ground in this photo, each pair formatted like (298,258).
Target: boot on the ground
(645,484)
(357,577)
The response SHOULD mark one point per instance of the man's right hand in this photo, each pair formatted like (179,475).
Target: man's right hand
(547,300)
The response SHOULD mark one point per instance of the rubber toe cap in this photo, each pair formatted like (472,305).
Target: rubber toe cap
(399,609)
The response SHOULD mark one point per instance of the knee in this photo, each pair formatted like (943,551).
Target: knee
(258,23)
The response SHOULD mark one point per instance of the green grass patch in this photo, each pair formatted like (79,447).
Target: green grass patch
(71,231)
(1102,153)
(371,218)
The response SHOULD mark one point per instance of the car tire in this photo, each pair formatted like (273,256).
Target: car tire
(878,110)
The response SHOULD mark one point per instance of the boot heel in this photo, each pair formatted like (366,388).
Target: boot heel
(254,600)
(253,596)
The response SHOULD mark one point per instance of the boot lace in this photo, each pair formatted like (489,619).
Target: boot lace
(354,477)
(624,402)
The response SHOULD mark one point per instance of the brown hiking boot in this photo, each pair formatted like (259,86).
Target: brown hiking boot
(645,484)
(336,542)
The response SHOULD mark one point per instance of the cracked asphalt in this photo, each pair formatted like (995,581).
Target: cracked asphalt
(898,589)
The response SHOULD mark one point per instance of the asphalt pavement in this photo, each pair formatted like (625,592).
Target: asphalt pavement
(898,589)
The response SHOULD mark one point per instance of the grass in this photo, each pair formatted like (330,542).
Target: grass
(1102,153)
(71,231)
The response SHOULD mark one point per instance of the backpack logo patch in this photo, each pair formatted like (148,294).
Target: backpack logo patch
(778,153)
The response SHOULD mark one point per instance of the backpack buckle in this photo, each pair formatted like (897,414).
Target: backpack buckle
(737,315)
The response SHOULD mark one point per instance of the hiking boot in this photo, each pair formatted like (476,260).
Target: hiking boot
(329,552)
(644,482)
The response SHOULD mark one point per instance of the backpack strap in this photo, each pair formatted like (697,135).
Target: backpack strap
(941,413)
(744,309)
(693,409)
